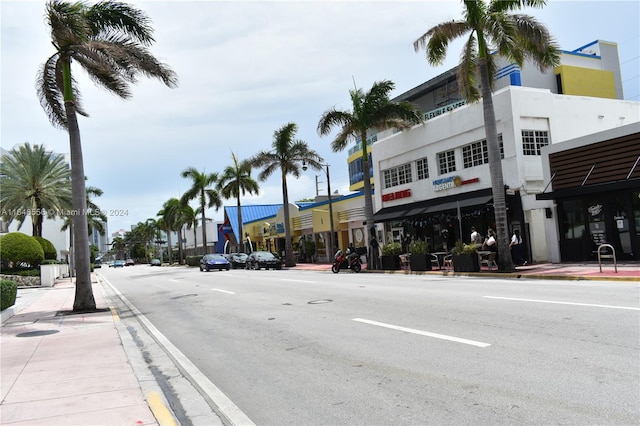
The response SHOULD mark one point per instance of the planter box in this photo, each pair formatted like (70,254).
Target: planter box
(391,262)
(420,262)
(466,263)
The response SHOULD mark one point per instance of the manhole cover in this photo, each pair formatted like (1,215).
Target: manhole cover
(319,301)
(37,333)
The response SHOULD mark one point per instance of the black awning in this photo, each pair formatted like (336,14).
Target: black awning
(389,213)
(453,205)
(580,191)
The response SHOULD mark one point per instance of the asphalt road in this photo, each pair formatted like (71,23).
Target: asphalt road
(316,348)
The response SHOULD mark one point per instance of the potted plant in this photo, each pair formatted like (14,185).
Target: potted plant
(391,256)
(465,257)
(420,259)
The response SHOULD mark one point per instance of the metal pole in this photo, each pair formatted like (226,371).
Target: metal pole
(330,214)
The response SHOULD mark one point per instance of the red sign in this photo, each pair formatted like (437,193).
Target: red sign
(396,195)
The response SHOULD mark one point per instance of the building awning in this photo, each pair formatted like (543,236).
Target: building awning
(390,213)
(581,191)
(433,206)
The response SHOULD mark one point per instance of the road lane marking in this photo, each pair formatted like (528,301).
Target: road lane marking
(222,291)
(425,333)
(299,281)
(563,303)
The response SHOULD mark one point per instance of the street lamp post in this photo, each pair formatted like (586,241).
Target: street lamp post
(331,242)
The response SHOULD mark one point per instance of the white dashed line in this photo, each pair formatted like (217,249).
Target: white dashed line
(222,291)
(563,303)
(425,333)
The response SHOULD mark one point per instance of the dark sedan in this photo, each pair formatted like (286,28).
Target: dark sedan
(214,261)
(237,260)
(263,259)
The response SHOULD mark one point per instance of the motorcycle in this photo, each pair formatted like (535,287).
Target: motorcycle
(342,261)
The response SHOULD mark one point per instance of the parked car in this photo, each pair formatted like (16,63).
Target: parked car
(263,259)
(97,264)
(155,262)
(237,260)
(129,262)
(214,261)
(117,264)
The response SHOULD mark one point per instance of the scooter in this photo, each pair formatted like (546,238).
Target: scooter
(341,261)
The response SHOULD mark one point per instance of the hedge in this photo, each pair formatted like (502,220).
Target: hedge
(18,248)
(9,290)
(193,260)
(48,248)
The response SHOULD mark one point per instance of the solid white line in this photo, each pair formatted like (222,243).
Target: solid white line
(425,333)
(564,303)
(222,291)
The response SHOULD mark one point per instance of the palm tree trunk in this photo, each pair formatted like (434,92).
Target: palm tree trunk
(368,204)
(84,299)
(288,246)
(505,263)
(241,236)
(203,223)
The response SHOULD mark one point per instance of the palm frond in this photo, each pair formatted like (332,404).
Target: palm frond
(49,93)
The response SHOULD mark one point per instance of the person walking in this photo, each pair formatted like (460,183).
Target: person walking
(516,249)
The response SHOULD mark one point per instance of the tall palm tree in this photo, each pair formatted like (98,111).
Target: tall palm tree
(96,218)
(34,181)
(370,110)
(207,197)
(287,155)
(109,41)
(515,36)
(236,180)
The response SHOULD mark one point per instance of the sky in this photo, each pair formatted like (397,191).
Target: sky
(245,69)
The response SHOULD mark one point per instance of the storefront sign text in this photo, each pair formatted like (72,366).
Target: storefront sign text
(396,195)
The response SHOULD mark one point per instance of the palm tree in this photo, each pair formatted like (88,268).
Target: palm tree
(517,37)
(96,218)
(172,217)
(201,191)
(372,110)
(34,181)
(108,39)
(287,155)
(236,180)
(191,220)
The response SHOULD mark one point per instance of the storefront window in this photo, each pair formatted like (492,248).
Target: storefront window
(595,214)
(573,219)
(635,196)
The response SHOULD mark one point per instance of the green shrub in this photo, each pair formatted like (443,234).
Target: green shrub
(193,260)
(17,249)
(419,247)
(48,248)
(458,248)
(50,262)
(470,248)
(9,291)
(29,272)
(392,249)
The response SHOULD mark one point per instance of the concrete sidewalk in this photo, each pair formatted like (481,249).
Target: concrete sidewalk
(70,369)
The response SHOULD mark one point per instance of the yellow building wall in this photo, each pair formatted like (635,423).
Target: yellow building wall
(353,157)
(587,82)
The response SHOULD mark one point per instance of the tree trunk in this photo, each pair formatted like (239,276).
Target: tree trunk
(241,236)
(288,246)
(368,203)
(203,206)
(505,263)
(84,299)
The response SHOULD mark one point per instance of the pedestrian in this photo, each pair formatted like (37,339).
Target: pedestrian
(490,242)
(475,236)
(516,248)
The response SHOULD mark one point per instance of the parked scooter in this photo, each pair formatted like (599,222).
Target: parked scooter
(342,261)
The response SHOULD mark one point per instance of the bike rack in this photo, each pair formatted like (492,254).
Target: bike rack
(607,256)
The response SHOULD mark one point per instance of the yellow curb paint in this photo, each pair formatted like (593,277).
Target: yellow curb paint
(114,314)
(160,411)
